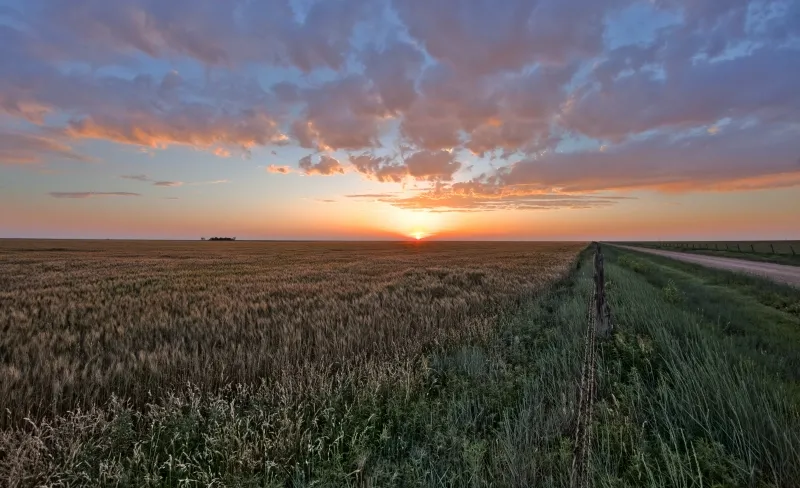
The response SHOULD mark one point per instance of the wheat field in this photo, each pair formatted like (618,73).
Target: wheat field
(83,321)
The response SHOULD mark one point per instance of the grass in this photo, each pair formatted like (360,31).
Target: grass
(700,385)
(785,252)
(760,318)
(697,387)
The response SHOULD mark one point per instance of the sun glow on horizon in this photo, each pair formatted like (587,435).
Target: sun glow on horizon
(414,224)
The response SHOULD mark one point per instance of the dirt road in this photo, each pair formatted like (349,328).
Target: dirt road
(776,272)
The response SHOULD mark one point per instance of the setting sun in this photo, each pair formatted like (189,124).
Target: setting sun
(418,235)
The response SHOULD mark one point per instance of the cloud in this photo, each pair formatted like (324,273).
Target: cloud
(221,114)
(447,199)
(739,157)
(372,195)
(169,184)
(212,182)
(197,126)
(341,114)
(21,148)
(211,32)
(325,166)
(139,177)
(279,169)
(92,194)
(394,71)
(421,166)
(488,193)
(379,168)
(432,165)
(408,91)
(698,93)
(511,114)
(480,38)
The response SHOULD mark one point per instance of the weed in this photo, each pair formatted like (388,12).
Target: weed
(672,293)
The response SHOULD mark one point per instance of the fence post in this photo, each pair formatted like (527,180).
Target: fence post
(738,248)
(772,247)
(752,249)
(603,327)
(792,248)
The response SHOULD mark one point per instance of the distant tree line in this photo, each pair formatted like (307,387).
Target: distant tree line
(218,239)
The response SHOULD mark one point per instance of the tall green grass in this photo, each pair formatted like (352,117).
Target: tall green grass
(680,404)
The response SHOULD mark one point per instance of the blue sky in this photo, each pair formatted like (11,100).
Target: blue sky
(357,119)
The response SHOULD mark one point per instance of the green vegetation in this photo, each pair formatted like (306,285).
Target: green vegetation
(697,387)
(700,384)
(779,252)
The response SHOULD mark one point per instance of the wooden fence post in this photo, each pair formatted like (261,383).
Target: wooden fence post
(772,247)
(792,248)
(738,248)
(752,249)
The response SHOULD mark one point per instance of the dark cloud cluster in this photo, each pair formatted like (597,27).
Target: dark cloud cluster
(325,166)
(705,101)
(215,32)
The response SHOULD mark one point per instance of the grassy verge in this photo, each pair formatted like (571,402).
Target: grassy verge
(756,316)
(498,412)
(699,387)
(787,259)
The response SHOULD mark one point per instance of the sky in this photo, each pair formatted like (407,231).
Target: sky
(396,119)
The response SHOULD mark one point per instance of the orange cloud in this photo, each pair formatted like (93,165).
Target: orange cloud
(279,169)
(20,148)
(200,130)
(760,182)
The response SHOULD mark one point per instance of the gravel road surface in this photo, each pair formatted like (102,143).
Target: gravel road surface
(776,272)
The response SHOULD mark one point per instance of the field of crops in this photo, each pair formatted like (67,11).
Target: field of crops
(82,321)
(93,324)
(389,364)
